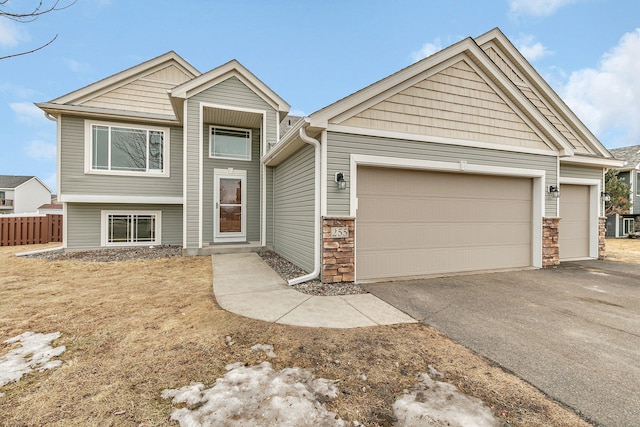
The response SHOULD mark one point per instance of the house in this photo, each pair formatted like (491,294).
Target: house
(22,194)
(629,172)
(454,163)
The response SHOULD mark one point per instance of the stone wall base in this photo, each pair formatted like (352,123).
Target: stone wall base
(338,254)
(550,247)
(602,231)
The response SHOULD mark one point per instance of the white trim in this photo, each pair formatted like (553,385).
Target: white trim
(200,172)
(88,149)
(185,174)
(212,156)
(595,186)
(437,139)
(59,156)
(538,176)
(104,223)
(241,236)
(65,227)
(593,161)
(323,175)
(137,200)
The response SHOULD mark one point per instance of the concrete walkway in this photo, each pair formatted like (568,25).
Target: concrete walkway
(244,284)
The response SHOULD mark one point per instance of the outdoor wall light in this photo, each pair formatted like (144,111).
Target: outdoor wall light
(606,197)
(554,191)
(342,184)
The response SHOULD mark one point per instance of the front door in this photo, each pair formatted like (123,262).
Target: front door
(229,197)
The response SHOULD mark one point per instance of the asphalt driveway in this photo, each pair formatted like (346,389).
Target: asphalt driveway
(573,332)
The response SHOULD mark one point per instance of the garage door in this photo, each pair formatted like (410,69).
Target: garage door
(573,232)
(412,223)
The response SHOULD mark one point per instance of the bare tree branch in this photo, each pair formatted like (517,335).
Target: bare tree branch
(30,51)
(29,16)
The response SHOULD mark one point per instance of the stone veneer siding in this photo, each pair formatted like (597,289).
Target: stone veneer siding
(550,247)
(338,255)
(602,230)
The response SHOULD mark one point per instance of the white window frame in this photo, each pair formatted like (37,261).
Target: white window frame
(212,156)
(104,227)
(626,229)
(88,149)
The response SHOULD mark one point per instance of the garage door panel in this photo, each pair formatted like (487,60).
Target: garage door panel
(425,209)
(415,222)
(416,262)
(573,232)
(413,235)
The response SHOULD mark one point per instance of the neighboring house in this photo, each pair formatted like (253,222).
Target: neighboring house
(448,165)
(22,194)
(629,172)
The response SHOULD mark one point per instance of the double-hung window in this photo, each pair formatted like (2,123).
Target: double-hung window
(230,143)
(130,228)
(125,149)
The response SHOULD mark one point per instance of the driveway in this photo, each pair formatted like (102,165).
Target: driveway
(573,332)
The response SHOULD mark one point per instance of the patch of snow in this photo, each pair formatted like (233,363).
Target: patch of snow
(229,341)
(433,372)
(436,403)
(35,352)
(256,396)
(268,349)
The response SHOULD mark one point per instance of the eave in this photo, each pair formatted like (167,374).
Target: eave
(105,113)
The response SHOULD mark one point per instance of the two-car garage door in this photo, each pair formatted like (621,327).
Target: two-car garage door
(412,223)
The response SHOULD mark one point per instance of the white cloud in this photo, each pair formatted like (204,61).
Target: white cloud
(41,150)
(77,66)
(531,49)
(607,98)
(28,113)
(536,7)
(427,49)
(11,35)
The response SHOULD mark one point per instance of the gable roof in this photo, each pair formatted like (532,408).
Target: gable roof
(80,101)
(630,156)
(530,77)
(13,181)
(219,74)
(467,50)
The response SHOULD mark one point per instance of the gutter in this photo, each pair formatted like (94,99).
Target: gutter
(317,230)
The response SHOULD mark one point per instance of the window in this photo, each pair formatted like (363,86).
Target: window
(230,143)
(121,149)
(130,228)
(637,183)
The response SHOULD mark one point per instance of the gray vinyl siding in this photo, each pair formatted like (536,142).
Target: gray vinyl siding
(583,172)
(340,146)
(270,206)
(294,208)
(253,187)
(234,93)
(84,222)
(73,179)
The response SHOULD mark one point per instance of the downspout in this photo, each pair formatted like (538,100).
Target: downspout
(316,233)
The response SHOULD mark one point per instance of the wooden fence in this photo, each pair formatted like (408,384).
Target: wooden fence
(30,230)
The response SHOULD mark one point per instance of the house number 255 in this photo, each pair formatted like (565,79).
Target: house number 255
(340,232)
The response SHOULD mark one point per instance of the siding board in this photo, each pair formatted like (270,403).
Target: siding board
(73,180)
(84,222)
(340,146)
(454,103)
(294,208)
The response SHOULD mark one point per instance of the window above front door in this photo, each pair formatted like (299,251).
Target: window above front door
(230,143)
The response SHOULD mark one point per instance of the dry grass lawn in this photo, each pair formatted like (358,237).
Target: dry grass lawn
(623,250)
(134,328)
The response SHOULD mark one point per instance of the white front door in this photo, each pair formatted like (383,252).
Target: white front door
(229,198)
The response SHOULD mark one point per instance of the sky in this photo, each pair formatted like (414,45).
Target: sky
(311,53)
